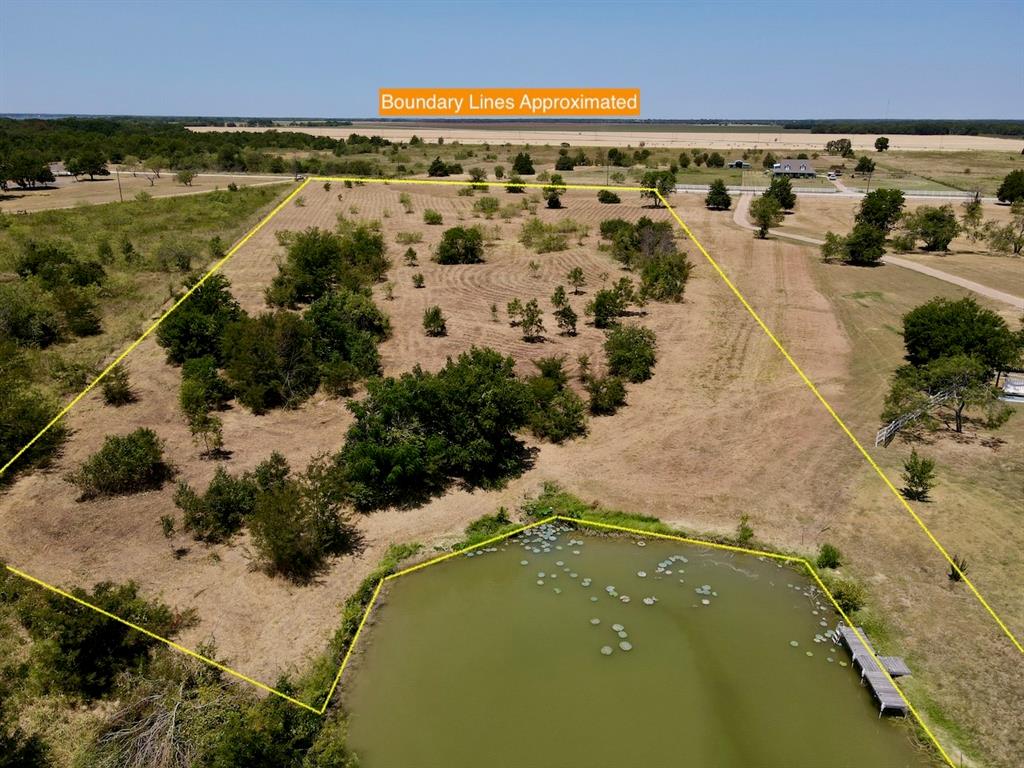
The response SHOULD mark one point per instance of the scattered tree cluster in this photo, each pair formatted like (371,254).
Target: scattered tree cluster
(77,651)
(280,358)
(649,249)
(557,413)
(415,434)
(880,211)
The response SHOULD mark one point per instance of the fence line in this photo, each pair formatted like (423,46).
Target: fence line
(745,188)
(885,435)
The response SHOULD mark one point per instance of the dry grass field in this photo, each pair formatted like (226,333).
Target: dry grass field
(814,216)
(724,428)
(966,170)
(66,192)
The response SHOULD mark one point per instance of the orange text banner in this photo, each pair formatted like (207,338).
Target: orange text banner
(509,102)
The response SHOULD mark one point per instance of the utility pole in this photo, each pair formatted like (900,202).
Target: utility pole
(120,194)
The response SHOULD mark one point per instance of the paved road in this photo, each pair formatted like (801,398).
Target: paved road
(740,216)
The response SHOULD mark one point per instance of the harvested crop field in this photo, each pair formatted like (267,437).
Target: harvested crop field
(724,428)
(722,139)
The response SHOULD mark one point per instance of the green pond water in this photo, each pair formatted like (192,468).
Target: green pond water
(483,661)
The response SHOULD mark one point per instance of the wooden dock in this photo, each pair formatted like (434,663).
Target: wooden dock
(888,696)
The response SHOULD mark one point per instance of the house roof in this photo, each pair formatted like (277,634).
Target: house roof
(793,165)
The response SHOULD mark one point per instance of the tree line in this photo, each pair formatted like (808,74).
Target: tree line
(88,145)
(1012,128)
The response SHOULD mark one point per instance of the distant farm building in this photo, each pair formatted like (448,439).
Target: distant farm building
(797,169)
(738,164)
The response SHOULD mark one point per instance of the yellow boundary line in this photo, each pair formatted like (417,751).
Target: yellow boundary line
(828,407)
(526,185)
(791,559)
(164,640)
(234,249)
(372,603)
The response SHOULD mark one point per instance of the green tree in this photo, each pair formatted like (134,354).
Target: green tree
(522,165)
(558,413)
(607,394)
(606,307)
(631,351)
(865,165)
(782,190)
(531,322)
(554,190)
(576,279)
(663,275)
(964,380)
(1008,238)
(936,226)
(841,147)
(558,297)
(434,322)
(515,184)
(514,309)
(460,245)
(864,245)
(607,197)
(834,248)
(220,511)
(943,327)
(185,176)
(298,524)
(715,160)
(766,213)
(566,318)
(972,217)
(117,388)
(718,198)
(24,412)
(269,360)
(125,464)
(414,435)
(918,477)
(437,168)
(655,183)
(1012,187)
(881,144)
(828,557)
(89,161)
(318,261)
(478,176)
(881,208)
(207,429)
(78,650)
(195,327)
(486,205)
(29,315)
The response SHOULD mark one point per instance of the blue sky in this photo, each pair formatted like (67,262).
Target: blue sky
(690,60)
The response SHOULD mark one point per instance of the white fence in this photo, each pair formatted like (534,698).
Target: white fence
(706,187)
(885,435)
